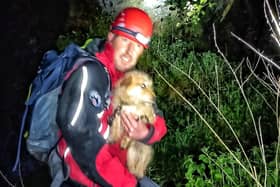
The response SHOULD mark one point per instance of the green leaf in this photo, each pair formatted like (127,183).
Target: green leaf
(218,176)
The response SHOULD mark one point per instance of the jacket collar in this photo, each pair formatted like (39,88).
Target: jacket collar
(107,59)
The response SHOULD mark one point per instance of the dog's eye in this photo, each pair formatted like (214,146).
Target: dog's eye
(143,85)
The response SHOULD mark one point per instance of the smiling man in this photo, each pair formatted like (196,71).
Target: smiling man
(83,157)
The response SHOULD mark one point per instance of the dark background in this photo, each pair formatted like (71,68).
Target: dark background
(29,28)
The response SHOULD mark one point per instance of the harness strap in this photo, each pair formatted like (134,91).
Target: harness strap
(112,117)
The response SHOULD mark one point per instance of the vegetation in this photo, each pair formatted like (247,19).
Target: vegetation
(222,117)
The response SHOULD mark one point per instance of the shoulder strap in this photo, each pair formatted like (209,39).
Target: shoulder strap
(16,164)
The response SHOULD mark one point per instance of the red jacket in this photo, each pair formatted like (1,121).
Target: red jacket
(108,160)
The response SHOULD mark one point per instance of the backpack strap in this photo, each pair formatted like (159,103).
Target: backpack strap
(16,164)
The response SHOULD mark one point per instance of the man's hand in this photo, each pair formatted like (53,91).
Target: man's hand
(134,127)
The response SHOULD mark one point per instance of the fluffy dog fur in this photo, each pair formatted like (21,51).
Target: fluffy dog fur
(133,93)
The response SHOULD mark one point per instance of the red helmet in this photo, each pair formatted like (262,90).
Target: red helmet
(134,24)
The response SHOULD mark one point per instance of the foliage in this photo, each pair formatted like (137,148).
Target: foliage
(112,7)
(212,75)
(98,27)
(214,168)
(179,53)
(187,132)
(187,20)
(221,169)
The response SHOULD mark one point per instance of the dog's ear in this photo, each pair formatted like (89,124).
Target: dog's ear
(126,82)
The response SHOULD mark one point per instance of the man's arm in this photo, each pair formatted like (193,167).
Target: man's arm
(79,105)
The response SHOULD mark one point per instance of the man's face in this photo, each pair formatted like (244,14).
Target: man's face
(126,52)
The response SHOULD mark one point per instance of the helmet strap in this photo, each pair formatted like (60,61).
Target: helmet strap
(137,35)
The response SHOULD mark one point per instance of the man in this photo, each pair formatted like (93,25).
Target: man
(84,110)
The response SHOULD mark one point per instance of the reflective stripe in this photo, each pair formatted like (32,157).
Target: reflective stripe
(100,127)
(142,39)
(83,87)
(106,133)
(137,35)
(66,152)
(100,114)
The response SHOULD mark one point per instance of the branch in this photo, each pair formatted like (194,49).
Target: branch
(6,179)
(256,51)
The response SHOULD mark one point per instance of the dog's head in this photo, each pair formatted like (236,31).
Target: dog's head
(135,87)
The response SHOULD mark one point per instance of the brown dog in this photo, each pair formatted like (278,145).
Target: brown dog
(133,93)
